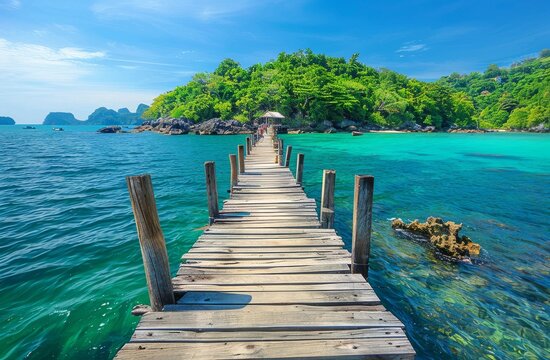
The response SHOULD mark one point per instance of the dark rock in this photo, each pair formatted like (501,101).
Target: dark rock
(330,130)
(351,128)
(110,130)
(410,126)
(327,124)
(466,130)
(181,126)
(346,123)
(443,235)
(428,129)
(540,128)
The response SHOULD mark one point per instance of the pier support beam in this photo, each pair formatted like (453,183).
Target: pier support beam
(151,241)
(241,158)
(362,224)
(299,169)
(280,152)
(287,155)
(327,199)
(234,171)
(248,145)
(211,190)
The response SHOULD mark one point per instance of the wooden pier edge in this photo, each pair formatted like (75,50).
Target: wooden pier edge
(265,279)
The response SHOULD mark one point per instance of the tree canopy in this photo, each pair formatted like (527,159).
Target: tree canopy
(309,88)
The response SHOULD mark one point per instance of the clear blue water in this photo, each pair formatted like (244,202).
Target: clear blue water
(70,264)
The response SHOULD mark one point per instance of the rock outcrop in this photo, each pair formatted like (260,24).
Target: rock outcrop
(222,127)
(111,130)
(181,126)
(443,235)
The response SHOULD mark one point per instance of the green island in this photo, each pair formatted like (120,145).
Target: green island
(100,116)
(313,90)
(6,120)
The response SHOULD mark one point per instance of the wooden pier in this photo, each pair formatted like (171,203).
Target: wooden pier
(267,278)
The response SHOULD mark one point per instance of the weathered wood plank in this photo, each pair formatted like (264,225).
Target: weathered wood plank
(301,349)
(306,269)
(179,288)
(269,279)
(348,297)
(212,336)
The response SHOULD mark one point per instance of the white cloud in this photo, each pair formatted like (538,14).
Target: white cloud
(76,53)
(411,47)
(33,63)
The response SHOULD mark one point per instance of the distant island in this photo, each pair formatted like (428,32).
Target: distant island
(101,116)
(6,120)
(316,91)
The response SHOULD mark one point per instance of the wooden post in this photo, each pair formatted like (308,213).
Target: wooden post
(362,224)
(211,190)
(287,156)
(241,159)
(234,171)
(151,241)
(280,152)
(299,169)
(327,199)
(248,145)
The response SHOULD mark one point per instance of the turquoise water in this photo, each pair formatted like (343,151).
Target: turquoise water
(70,264)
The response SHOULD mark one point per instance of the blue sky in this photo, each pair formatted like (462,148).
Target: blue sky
(78,55)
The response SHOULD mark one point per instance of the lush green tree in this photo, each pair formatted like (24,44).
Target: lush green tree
(309,88)
(517,119)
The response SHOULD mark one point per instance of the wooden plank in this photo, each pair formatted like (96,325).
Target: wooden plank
(268,318)
(267,250)
(255,264)
(349,297)
(145,336)
(258,243)
(308,269)
(180,288)
(265,256)
(310,349)
(269,279)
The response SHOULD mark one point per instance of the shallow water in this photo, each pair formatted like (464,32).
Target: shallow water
(71,270)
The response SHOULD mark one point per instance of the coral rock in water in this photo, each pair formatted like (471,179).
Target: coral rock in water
(443,235)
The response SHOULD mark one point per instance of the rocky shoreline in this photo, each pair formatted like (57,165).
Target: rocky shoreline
(170,126)
(216,126)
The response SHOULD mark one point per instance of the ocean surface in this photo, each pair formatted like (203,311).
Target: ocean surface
(71,268)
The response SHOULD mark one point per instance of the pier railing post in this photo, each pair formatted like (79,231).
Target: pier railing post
(151,241)
(211,190)
(287,156)
(327,199)
(280,152)
(234,171)
(241,158)
(362,224)
(248,145)
(299,169)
